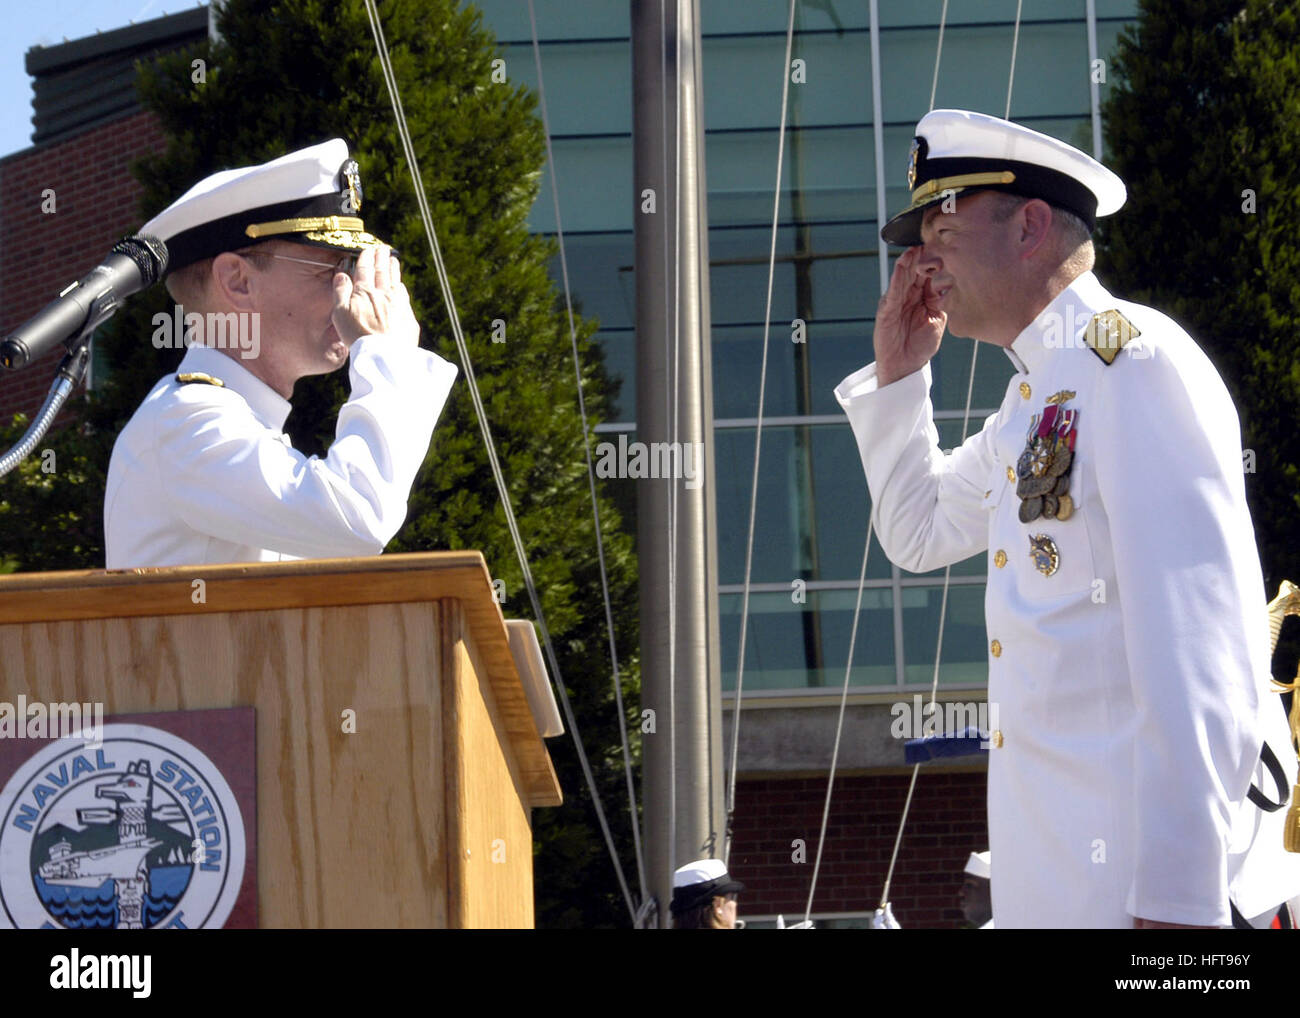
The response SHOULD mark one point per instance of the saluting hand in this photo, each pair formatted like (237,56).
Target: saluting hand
(909,324)
(375,301)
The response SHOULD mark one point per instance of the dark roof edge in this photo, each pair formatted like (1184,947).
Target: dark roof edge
(43,59)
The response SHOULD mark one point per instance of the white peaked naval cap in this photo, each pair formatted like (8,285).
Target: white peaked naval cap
(311,196)
(697,882)
(958,151)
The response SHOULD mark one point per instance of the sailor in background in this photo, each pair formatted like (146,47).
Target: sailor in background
(704,897)
(1128,648)
(203,472)
(976,904)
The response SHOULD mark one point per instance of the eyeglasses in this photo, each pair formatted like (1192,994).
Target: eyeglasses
(346,264)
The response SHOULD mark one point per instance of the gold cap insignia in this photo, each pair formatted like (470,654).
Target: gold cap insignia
(350,184)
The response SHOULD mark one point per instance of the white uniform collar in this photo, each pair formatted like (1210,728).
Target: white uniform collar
(1059,324)
(271,408)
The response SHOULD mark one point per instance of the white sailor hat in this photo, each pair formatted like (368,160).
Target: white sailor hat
(958,151)
(312,196)
(697,882)
(980,864)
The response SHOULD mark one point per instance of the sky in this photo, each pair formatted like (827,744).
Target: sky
(46,23)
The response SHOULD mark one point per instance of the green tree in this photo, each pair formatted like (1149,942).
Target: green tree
(289,74)
(1203,124)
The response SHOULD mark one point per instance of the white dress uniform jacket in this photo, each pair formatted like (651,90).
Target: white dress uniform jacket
(1131,686)
(205,474)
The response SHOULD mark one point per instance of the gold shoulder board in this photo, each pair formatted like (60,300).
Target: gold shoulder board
(1107,333)
(187,377)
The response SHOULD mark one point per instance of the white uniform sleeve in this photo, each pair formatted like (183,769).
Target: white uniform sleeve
(930,505)
(225,474)
(1169,475)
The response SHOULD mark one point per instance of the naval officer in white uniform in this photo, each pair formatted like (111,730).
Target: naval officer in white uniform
(1128,649)
(203,472)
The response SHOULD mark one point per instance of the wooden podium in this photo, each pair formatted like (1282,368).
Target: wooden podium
(419,815)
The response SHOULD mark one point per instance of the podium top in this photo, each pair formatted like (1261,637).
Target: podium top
(86,594)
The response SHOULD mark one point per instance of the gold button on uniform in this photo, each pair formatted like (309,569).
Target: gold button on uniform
(997,738)
(996,648)
(1024,389)
(1000,559)
(1011,475)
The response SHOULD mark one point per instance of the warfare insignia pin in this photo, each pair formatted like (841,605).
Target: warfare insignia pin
(1043,550)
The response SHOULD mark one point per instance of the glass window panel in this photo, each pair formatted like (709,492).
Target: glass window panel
(792,646)
(831,351)
(799,531)
(557,19)
(1051,69)
(619,348)
(1123,9)
(588,85)
(771,17)
(832,169)
(600,275)
(593,175)
(743,80)
(964,658)
(950,371)
(840,286)
(898,13)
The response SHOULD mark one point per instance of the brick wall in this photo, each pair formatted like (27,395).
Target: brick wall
(946,823)
(97,203)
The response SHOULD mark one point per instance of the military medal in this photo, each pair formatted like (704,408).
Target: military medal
(1043,469)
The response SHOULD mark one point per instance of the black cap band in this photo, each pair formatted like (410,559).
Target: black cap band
(230,232)
(695,895)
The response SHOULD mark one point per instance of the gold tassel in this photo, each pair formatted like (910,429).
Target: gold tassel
(1291,833)
(1287,603)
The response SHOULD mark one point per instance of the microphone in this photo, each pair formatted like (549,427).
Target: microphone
(133,264)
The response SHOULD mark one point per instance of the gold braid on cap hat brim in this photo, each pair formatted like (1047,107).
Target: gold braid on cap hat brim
(303,225)
(961,180)
(336,231)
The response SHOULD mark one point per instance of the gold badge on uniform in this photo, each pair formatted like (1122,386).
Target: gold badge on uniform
(190,377)
(1044,467)
(1107,333)
(1042,549)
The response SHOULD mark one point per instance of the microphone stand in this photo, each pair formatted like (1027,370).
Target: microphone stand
(70,372)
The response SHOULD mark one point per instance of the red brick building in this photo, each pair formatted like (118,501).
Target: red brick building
(66,200)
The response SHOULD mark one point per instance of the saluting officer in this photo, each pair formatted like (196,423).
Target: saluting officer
(203,472)
(1128,651)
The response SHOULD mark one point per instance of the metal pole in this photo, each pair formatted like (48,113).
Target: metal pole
(1094,89)
(680,666)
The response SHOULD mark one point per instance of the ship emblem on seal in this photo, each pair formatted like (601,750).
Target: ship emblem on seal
(142,832)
